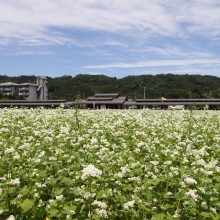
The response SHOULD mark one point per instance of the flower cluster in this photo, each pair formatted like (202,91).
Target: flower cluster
(101,210)
(109,164)
(190,181)
(90,171)
(129,204)
(15,182)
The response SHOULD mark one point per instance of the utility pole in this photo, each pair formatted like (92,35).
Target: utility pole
(144,91)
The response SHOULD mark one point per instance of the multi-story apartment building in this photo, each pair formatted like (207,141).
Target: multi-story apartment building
(29,91)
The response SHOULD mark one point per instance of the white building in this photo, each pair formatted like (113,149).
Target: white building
(9,88)
(29,91)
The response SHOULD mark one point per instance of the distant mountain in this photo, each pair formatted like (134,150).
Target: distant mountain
(156,86)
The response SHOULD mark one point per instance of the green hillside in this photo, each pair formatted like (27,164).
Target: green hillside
(166,85)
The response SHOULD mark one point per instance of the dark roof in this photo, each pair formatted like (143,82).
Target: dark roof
(33,101)
(177,100)
(112,101)
(31,104)
(92,98)
(113,95)
(188,102)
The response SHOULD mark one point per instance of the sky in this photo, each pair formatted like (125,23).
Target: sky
(116,38)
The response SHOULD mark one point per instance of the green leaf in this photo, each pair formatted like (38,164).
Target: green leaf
(27,204)
(52,181)
(24,191)
(58,191)
(100,193)
(158,216)
(67,181)
(12,190)
(69,208)
(53,212)
(76,191)
(206,214)
(155,181)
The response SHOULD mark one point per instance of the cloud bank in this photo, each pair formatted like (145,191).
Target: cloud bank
(111,34)
(24,19)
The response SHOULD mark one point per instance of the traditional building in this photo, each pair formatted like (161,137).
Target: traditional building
(103,101)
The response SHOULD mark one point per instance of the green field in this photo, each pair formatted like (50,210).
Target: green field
(109,164)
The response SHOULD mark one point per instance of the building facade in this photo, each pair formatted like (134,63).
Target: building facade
(103,101)
(27,91)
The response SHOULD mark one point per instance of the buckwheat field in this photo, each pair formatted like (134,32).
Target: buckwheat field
(109,164)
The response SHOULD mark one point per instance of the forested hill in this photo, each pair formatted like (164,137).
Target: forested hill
(156,86)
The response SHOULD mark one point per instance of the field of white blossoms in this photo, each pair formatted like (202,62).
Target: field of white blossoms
(109,164)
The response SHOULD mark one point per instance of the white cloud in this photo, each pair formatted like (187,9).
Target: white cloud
(164,33)
(30,53)
(154,63)
(34,19)
(200,17)
(170,51)
(111,42)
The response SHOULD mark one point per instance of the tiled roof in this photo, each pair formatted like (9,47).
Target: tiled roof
(113,95)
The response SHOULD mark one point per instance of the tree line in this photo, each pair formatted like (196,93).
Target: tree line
(148,86)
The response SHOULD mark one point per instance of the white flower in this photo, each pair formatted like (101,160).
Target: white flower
(201,162)
(101,205)
(169,193)
(90,171)
(135,179)
(137,189)
(202,190)
(192,193)
(16,156)
(129,204)
(41,154)
(155,163)
(140,144)
(11,217)
(36,195)
(9,150)
(190,181)
(213,209)
(120,175)
(72,212)
(15,182)
(89,195)
(52,158)
(169,162)
(102,213)
(60,197)
(204,205)
(19,196)
(51,200)
(40,185)
(176,215)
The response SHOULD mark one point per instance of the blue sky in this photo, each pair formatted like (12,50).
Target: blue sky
(112,37)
